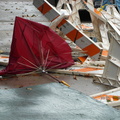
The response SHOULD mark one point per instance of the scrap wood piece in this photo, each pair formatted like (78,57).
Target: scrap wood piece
(80,70)
(94,63)
(110,97)
(104,54)
(107,98)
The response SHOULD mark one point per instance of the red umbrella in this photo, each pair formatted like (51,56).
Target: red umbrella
(36,47)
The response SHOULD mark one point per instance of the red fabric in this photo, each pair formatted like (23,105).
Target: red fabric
(36,46)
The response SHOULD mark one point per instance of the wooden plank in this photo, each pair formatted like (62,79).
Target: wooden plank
(110,97)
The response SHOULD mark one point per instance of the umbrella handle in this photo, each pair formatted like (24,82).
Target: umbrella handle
(63,82)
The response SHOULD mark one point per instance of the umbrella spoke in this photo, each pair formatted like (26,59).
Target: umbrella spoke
(39,48)
(45,64)
(22,31)
(26,65)
(42,54)
(30,62)
(58,65)
(55,66)
(49,62)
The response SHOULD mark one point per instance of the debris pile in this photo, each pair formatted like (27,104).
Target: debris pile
(98,38)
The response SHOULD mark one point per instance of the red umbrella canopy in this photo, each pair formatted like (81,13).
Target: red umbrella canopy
(36,47)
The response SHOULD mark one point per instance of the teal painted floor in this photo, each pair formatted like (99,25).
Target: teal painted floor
(52,101)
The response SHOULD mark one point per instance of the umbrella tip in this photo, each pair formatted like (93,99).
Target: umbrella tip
(63,82)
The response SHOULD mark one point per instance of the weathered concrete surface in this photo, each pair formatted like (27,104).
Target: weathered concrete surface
(52,102)
(9,9)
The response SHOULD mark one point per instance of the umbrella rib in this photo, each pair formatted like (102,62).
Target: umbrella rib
(30,62)
(39,52)
(42,55)
(49,62)
(27,43)
(26,65)
(55,66)
(46,59)
(38,47)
